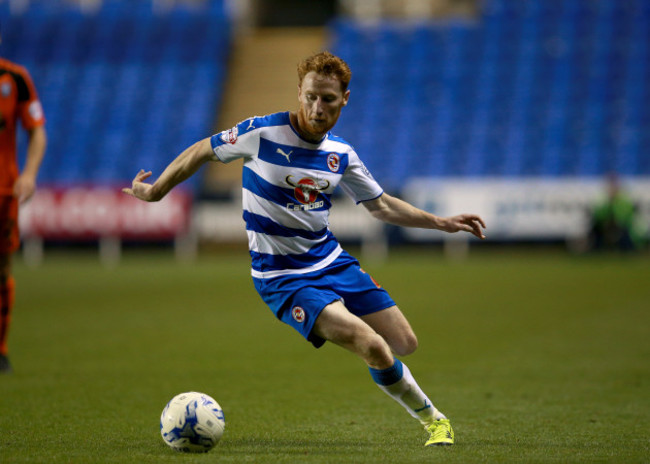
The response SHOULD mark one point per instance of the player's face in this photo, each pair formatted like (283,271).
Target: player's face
(321,100)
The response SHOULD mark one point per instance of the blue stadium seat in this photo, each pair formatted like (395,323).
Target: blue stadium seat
(123,87)
(535,88)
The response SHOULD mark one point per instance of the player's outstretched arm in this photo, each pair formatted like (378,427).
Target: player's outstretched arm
(25,185)
(182,168)
(395,211)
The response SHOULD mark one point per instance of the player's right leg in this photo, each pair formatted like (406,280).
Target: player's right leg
(338,325)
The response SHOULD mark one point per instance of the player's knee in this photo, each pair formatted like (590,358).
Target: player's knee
(406,345)
(411,343)
(377,352)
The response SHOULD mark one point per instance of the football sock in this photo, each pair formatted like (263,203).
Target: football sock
(398,382)
(7,289)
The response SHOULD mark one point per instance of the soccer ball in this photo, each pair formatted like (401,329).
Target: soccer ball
(192,422)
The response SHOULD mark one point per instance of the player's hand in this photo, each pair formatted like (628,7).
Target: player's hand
(24,188)
(140,189)
(468,223)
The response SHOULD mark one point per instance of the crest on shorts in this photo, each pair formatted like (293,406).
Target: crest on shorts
(298,314)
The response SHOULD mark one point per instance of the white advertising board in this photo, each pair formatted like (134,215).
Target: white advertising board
(522,208)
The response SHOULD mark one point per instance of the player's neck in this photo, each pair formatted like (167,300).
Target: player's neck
(309,137)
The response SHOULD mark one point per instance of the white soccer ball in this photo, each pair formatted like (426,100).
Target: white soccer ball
(192,422)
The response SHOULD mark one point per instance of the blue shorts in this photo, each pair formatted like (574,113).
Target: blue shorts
(297,300)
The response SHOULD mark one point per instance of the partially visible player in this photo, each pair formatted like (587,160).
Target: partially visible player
(18,101)
(292,164)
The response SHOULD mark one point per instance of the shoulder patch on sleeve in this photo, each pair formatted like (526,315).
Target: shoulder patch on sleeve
(229,136)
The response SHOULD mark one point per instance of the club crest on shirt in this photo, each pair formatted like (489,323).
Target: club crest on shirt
(306,191)
(230,135)
(298,314)
(333,162)
(5,89)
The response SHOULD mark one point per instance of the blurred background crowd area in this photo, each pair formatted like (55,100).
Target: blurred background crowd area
(533,113)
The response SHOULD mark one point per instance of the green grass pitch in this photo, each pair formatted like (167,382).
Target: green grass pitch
(536,357)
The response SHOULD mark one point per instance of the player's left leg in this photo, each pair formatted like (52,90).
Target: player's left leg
(399,383)
(9,242)
(337,324)
(7,290)
(391,324)
(367,300)
(392,376)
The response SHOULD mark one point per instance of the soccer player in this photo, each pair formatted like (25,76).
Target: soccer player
(292,164)
(18,100)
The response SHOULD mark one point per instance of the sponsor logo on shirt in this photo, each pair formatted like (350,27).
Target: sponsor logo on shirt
(306,191)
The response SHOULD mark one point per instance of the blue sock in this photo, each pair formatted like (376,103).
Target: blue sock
(398,382)
(388,376)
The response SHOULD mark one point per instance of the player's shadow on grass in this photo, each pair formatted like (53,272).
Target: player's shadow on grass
(301,446)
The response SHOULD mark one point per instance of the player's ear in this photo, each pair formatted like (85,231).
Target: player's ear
(346,97)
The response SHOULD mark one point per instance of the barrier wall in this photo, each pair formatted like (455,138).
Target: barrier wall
(521,208)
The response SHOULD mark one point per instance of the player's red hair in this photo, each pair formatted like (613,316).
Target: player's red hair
(328,65)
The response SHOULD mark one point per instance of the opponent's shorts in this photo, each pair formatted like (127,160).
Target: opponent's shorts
(9,237)
(297,300)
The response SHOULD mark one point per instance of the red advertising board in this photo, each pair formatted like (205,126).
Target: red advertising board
(89,213)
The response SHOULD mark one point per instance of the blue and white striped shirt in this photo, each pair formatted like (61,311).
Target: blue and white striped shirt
(287,188)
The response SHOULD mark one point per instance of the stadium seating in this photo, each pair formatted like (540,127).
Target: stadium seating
(124,87)
(530,88)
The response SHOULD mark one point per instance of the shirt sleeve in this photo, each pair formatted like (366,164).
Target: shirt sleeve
(357,182)
(30,109)
(242,141)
